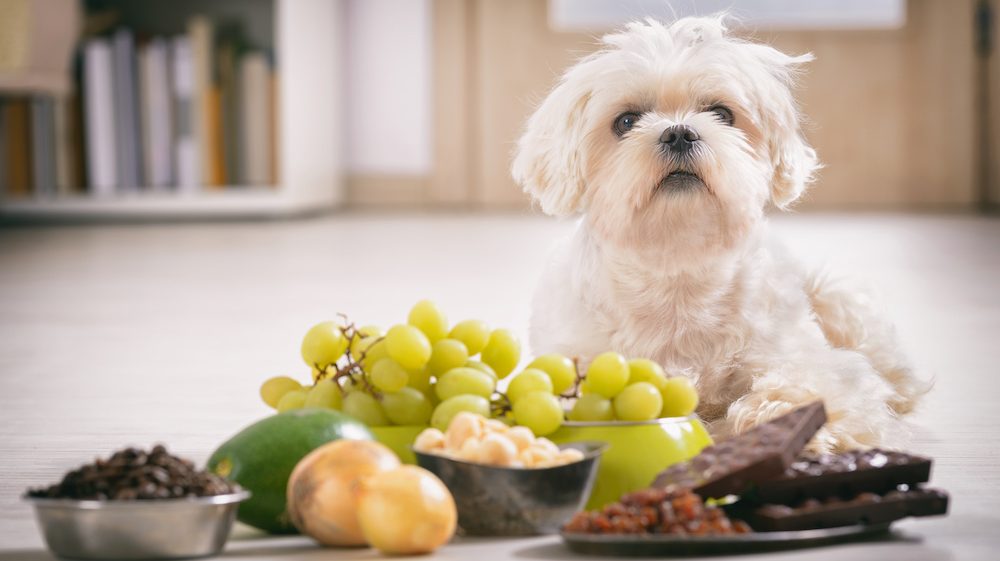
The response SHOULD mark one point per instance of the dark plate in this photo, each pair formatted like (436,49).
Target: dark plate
(665,545)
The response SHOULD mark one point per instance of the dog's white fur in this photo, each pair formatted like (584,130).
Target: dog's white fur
(689,277)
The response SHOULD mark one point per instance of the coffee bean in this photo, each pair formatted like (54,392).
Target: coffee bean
(133,474)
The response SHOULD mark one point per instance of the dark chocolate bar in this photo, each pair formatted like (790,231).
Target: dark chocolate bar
(845,475)
(865,508)
(761,453)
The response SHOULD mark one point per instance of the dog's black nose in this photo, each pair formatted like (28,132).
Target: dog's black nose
(679,138)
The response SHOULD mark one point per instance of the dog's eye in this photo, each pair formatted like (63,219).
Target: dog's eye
(625,122)
(724,113)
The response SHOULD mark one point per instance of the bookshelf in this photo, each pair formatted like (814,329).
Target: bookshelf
(307,43)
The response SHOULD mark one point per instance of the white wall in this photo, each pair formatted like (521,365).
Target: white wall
(388,87)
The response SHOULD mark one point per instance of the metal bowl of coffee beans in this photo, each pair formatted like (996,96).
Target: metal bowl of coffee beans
(137,504)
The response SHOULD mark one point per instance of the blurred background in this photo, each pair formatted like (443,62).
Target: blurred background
(180,108)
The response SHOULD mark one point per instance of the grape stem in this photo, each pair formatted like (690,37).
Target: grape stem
(500,404)
(350,368)
(574,391)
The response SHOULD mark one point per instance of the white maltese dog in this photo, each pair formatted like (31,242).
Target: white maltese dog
(672,141)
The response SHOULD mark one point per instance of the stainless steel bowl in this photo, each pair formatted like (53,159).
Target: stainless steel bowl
(499,501)
(153,529)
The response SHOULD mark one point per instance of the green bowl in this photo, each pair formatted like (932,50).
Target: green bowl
(636,452)
(399,439)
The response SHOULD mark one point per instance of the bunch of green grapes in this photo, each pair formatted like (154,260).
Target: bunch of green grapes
(633,390)
(425,372)
(416,373)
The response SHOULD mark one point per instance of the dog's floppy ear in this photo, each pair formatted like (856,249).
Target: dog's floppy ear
(795,164)
(549,160)
(793,160)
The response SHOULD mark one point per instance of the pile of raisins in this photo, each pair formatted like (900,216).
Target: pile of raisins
(657,511)
(135,474)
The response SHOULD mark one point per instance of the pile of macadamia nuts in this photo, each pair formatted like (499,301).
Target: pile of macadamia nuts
(473,438)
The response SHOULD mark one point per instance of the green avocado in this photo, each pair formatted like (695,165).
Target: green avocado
(261,458)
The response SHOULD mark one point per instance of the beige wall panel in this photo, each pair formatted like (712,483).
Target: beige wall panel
(941,67)
(855,123)
(891,111)
(453,119)
(518,60)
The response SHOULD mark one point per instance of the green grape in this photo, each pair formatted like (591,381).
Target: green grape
(608,374)
(408,346)
(294,399)
(452,406)
(592,407)
(560,369)
(445,355)
(645,370)
(273,389)
(679,397)
(420,380)
(472,333)
(540,412)
(323,344)
(363,339)
(407,407)
(462,380)
(482,367)
(350,385)
(374,351)
(388,376)
(640,401)
(326,393)
(365,408)
(528,381)
(502,352)
(428,318)
(368,331)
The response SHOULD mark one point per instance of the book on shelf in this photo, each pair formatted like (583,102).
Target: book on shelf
(157,113)
(99,118)
(62,144)
(226,71)
(255,111)
(192,111)
(16,123)
(200,33)
(187,162)
(43,148)
(127,138)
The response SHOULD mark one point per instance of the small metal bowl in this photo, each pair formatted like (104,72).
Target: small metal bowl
(500,501)
(141,529)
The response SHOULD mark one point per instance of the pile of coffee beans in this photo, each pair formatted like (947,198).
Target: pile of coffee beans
(135,474)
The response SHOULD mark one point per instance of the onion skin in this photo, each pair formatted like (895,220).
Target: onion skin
(323,489)
(406,511)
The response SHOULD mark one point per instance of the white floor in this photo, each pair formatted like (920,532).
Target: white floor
(122,335)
